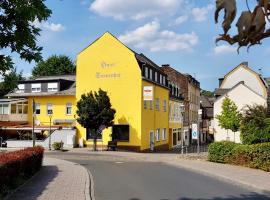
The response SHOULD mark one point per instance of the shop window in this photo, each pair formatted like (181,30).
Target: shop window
(90,134)
(36,87)
(158,134)
(52,87)
(157,103)
(164,134)
(68,109)
(164,105)
(145,104)
(120,132)
(49,109)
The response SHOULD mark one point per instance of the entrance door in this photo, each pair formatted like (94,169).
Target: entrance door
(151,141)
(174,138)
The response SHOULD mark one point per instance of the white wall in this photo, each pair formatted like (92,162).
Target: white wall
(242,74)
(242,96)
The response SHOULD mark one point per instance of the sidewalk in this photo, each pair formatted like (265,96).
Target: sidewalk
(58,179)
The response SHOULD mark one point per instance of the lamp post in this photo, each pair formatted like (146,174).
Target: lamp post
(50,130)
(199,120)
(182,110)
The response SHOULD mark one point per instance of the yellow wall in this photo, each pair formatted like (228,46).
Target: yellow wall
(59,108)
(119,75)
(153,119)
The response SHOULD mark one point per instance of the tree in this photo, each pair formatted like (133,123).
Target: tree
(10,81)
(230,117)
(255,125)
(54,65)
(251,25)
(17,30)
(207,93)
(95,112)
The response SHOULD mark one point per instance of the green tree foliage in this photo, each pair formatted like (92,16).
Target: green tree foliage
(230,117)
(10,82)
(207,93)
(54,65)
(17,31)
(255,125)
(95,112)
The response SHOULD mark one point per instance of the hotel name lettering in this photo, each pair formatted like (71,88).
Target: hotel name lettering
(105,65)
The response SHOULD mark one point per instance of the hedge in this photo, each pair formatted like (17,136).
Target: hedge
(19,164)
(254,156)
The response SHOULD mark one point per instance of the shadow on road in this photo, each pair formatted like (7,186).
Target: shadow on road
(34,188)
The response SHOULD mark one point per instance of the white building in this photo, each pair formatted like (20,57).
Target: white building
(244,87)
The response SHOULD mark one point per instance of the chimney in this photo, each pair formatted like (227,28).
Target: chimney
(165,65)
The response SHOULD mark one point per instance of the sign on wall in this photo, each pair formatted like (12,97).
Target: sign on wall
(148,93)
(195,132)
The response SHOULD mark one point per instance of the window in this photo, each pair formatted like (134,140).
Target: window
(49,109)
(145,104)
(151,105)
(90,134)
(156,76)
(157,103)
(179,135)
(164,134)
(164,105)
(4,109)
(21,88)
(146,72)
(158,134)
(20,109)
(13,109)
(160,79)
(52,87)
(150,74)
(37,108)
(36,87)
(25,108)
(68,109)
(120,132)
(164,80)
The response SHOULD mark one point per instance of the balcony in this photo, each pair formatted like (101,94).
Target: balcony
(14,117)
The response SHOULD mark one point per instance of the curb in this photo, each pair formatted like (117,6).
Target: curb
(90,186)
(222,178)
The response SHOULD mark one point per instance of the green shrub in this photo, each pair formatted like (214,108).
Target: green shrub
(254,156)
(57,145)
(220,151)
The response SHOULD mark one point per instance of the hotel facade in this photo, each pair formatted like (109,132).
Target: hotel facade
(149,114)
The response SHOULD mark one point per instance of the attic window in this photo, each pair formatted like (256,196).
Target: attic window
(52,87)
(21,88)
(36,87)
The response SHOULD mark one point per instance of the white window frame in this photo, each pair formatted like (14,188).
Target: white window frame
(157,134)
(164,105)
(150,74)
(21,88)
(157,104)
(36,87)
(52,87)
(49,105)
(164,134)
(68,105)
(146,72)
(156,75)
(37,105)
(160,78)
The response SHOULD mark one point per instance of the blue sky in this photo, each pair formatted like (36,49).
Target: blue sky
(176,32)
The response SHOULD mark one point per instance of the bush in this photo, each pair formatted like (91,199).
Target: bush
(254,156)
(220,151)
(57,145)
(19,164)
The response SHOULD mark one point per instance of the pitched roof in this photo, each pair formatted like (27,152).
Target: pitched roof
(205,102)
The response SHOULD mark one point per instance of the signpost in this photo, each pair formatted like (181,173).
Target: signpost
(195,131)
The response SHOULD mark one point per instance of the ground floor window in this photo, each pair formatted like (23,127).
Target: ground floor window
(90,134)
(164,134)
(158,134)
(120,132)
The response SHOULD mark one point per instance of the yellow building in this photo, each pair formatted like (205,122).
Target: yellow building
(138,90)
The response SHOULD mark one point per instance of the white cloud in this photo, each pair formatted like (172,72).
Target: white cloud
(180,20)
(151,37)
(224,49)
(135,9)
(200,14)
(49,26)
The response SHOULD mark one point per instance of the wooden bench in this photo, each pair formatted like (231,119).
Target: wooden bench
(112,145)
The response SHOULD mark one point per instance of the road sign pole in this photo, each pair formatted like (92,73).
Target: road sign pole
(198,127)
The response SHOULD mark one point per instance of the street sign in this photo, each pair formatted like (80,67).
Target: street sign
(195,132)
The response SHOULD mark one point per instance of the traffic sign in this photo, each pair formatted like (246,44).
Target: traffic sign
(195,132)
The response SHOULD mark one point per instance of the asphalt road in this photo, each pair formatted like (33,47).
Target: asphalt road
(121,179)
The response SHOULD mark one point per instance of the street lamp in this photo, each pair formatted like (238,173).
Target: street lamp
(182,110)
(50,113)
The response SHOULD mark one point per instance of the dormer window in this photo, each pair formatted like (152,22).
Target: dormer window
(36,87)
(52,87)
(21,88)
